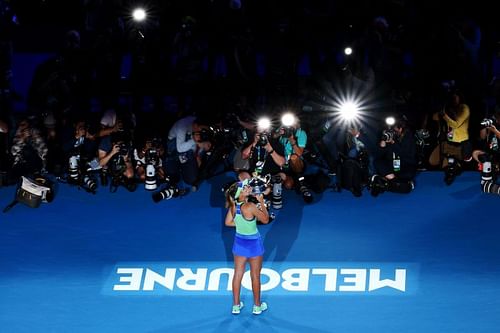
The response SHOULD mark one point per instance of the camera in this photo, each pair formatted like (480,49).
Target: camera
(263,139)
(421,135)
(487,122)
(166,194)
(452,170)
(152,156)
(77,175)
(206,134)
(388,135)
(89,183)
(288,131)
(123,149)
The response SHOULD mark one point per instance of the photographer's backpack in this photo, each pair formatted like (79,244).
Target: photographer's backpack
(32,192)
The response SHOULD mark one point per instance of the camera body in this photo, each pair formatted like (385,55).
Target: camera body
(388,135)
(77,174)
(206,134)
(487,122)
(152,156)
(124,149)
(263,139)
(288,131)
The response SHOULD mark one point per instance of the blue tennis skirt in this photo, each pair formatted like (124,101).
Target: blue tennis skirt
(248,246)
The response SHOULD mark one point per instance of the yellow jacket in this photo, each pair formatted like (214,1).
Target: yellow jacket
(458,129)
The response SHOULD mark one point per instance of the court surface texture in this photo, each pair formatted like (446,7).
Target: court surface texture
(118,262)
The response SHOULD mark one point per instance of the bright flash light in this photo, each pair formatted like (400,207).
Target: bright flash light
(139,14)
(288,119)
(390,121)
(263,124)
(348,51)
(349,111)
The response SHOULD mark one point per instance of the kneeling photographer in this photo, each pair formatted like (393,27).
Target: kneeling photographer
(185,147)
(114,156)
(29,150)
(454,146)
(80,149)
(395,161)
(294,141)
(265,157)
(353,159)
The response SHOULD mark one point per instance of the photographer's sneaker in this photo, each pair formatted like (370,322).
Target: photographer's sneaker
(237,308)
(257,310)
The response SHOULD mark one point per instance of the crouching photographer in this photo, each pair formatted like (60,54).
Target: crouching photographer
(294,141)
(353,160)
(454,146)
(265,157)
(488,156)
(185,147)
(395,161)
(29,151)
(115,156)
(80,149)
(148,163)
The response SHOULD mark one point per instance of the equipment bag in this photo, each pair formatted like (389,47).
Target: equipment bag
(32,192)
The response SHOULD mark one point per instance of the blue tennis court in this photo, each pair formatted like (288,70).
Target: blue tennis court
(117,262)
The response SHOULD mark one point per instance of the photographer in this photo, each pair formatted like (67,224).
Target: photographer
(294,141)
(353,160)
(79,147)
(265,155)
(396,160)
(114,156)
(29,150)
(488,156)
(151,153)
(185,148)
(454,145)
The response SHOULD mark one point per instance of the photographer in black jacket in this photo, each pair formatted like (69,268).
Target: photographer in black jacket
(395,160)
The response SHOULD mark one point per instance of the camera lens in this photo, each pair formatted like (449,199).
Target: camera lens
(89,183)
(165,194)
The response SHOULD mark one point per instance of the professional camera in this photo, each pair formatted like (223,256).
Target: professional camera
(487,122)
(263,139)
(168,192)
(421,135)
(77,174)
(452,170)
(124,149)
(388,135)
(152,159)
(304,190)
(288,131)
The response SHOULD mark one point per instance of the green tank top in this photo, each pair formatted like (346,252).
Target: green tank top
(244,226)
